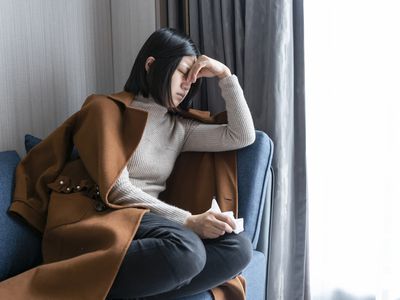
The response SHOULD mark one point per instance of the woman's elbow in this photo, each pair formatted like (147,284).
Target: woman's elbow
(246,139)
(250,138)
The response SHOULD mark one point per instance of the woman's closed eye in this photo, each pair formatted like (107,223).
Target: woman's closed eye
(185,73)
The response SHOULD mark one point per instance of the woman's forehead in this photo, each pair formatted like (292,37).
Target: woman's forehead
(188,61)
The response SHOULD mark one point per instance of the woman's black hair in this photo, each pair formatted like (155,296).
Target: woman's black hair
(167,46)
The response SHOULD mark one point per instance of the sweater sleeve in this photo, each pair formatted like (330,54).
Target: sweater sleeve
(239,132)
(125,193)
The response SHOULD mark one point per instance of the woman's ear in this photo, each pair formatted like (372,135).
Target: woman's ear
(148,63)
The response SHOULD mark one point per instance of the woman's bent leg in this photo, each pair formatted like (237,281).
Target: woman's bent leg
(163,256)
(227,256)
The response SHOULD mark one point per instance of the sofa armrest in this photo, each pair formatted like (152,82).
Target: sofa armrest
(264,238)
(254,163)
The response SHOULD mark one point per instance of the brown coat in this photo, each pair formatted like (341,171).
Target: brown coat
(85,237)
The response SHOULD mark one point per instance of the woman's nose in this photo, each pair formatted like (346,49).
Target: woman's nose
(186,85)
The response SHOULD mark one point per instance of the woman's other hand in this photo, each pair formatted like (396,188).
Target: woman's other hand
(205,66)
(210,225)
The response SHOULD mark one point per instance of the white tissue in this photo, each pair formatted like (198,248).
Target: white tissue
(238,222)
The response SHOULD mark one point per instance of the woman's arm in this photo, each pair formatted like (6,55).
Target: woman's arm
(237,133)
(126,194)
(207,225)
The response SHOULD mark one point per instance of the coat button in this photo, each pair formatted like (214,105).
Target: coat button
(61,182)
(68,189)
(78,187)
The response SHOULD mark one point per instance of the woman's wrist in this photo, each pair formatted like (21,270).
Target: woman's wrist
(189,222)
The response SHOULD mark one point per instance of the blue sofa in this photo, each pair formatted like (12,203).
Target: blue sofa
(20,245)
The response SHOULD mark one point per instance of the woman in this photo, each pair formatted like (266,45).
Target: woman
(88,207)
(190,253)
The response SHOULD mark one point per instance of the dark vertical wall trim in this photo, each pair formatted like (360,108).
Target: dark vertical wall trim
(186,16)
(161,13)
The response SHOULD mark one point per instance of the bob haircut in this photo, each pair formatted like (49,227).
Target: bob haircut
(167,46)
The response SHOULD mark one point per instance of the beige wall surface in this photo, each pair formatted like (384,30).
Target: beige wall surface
(54,53)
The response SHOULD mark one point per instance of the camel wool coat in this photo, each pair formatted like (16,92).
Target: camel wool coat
(85,237)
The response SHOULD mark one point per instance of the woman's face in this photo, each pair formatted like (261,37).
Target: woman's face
(179,85)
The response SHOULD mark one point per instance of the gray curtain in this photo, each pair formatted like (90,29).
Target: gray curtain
(262,42)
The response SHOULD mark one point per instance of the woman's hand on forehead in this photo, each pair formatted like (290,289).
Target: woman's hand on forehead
(206,66)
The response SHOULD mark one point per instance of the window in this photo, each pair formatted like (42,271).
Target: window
(352,61)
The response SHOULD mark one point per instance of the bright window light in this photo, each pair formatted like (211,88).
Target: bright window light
(352,61)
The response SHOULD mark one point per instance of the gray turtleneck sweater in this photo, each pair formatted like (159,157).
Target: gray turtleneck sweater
(165,136)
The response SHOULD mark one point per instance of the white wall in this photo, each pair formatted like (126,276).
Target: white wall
(53,53)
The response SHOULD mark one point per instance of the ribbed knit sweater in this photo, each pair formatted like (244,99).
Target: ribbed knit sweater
(165,136)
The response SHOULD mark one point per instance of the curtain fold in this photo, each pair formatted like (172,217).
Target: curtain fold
(217,27)
(262,42)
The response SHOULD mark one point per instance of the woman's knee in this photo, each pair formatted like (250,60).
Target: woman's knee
(241,249)
(187,255)
(247,248)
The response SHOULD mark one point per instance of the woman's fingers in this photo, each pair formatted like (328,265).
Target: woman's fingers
(217,232)
(225,219)
(222,227)
(223,222)
(194,71)
(205,67)
(213,227)
(210,224)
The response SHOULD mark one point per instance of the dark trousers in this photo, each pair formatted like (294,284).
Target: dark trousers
(167,260)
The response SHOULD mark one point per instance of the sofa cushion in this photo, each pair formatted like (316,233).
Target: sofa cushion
(256,276)
(30,142)
(20,247)
(253,163)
